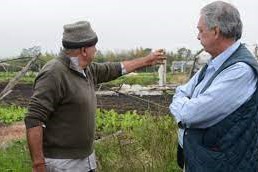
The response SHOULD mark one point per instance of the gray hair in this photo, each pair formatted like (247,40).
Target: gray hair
(225,16)
(70,51)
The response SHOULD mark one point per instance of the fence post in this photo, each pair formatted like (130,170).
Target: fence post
(8,89)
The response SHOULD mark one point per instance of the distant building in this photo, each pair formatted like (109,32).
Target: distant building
(202,59)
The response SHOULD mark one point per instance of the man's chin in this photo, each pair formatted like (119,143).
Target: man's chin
(84,65)
(205,49)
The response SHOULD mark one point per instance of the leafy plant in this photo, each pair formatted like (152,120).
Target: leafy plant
(10,114)
(145,143)
(148,143)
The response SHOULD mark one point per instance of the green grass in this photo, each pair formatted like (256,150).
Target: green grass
(15,158)
(141,78)
(148,79)
(7,76)
(147,143)
(152,148)
(10,114)
(177,78)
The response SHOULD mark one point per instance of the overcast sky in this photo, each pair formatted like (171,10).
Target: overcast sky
(120,24)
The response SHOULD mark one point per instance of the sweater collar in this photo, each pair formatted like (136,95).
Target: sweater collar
(72,64)
(64,59)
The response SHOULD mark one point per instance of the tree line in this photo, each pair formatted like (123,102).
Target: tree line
(15,64)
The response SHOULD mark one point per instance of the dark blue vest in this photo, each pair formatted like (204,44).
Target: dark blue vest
(231,145)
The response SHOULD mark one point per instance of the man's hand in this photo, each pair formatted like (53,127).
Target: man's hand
(156,57)
(39,167)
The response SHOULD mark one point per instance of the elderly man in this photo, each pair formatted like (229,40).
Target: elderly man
(61,116)
(216,110)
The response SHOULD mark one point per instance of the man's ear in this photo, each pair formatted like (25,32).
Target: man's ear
(84,51)
(216,32)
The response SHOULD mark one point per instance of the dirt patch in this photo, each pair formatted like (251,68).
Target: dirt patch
(11,132)
(121,103)
(20,94)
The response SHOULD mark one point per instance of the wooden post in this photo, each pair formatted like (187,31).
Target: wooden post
(162,74)
(8,89)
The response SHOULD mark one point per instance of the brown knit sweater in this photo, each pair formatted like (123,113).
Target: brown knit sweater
(65,101)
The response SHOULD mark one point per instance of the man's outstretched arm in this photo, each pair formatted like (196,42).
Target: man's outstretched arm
(109,71)
(153,58)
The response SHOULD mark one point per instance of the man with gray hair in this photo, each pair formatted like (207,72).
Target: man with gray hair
(61,116)
(217,110)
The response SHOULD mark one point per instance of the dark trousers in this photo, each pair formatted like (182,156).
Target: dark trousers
(180,157)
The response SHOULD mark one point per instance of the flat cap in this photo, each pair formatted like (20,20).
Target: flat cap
(78,35)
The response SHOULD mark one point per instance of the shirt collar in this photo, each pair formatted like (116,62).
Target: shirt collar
(75,65)
(221,58)
(75,62)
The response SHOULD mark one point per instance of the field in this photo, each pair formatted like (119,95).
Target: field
(140,78)
(136,137)
(27,79)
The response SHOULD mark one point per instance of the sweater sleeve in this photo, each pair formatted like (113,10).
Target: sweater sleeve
(46,95)
(105,72)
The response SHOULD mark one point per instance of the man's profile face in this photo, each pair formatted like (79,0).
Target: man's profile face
(205,35)
(88,56)
(91,52)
